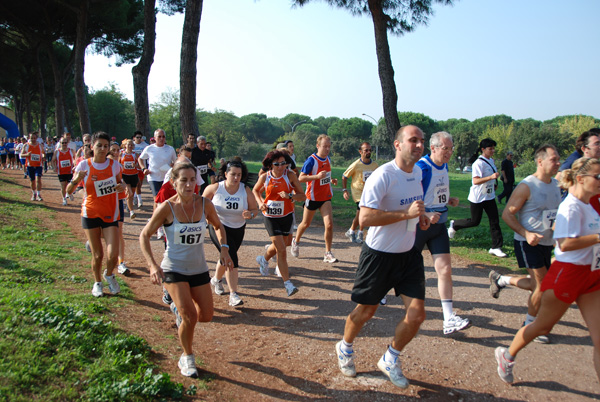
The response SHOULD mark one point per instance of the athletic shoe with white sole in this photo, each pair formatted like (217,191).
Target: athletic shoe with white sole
(218,285)
(290,288)
(497,252)
(394,372)
(64,203)
(455,323)
(132,215)
(451,230)
(72,197)
(187,365)
(295,249)
(39,197)
(329,258)
(87,247)
(360,237)
(166,297)
(345,361)
(263,265)
(33,197)
(277,272)
(505,367)
(495,287)
(351,235)
(540,338)
(178,318)
(97,290)
(113,285)
(234,300)
(122,269)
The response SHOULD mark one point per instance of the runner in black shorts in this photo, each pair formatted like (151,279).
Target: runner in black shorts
(392,206)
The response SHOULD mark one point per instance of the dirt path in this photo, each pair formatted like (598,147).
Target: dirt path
(280,348)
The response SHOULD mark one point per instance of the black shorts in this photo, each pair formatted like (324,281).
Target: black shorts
(532,257)
(436,238)
(378,272)
(3,158)
(65,177)
(131,179)
(192,280)
(93,223)
(279,226)
(235,236)
(11,157)
(121,211)
(314,205)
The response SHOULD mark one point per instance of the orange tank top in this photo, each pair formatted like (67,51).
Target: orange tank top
(36,156)
(277,206)
(101,195)
(65,162)
(129,165)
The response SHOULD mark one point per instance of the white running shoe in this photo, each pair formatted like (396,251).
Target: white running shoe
(329,258)
(187,365)
(350,234)
(451,230)
(113,285)
(263,264)
(64,203)
(132,215)
(33,197)
(39,197)
(234,300)
(497,252)
(455,323)
(345,362)
(394,372)
(218,285)
(97,290)
(295,250)
(495,287)
(290,288)
(505,367)
(160,233)
(360,237)
(122,269)
(87,247)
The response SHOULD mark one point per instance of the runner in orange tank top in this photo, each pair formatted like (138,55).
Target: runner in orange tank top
(33,152)
(130,174)
(100,211)
(63,162)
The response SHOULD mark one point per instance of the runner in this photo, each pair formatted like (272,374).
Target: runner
(63,162)
(392,205)
(87,140)
(100,210)
(33,152)
(49,149)
(130,174)
(235,204)
(281,188)
(22,162)
(201,158)
(482,196)
(574,276)
(138,146)
(183,270)
(317,173)
(114,154)
(10,149)
(3,152)
(436,186)
(536,201)
(358,172)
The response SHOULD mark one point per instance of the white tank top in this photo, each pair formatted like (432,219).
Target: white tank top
(230,207)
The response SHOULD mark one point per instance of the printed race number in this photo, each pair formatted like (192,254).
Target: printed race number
(275,208)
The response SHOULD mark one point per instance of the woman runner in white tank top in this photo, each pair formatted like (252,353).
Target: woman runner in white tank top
(183,269)
(235,204)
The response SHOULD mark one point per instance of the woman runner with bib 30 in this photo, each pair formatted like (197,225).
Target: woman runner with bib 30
(235,204)
(100,209)
(575,274)
(281,188)
(183,270)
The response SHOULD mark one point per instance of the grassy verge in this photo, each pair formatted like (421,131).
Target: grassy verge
(56,341)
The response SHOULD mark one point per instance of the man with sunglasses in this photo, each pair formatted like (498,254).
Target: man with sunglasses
(436,190)
(536,201)
(358,172)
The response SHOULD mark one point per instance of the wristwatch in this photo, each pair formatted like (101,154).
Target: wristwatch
(291,195)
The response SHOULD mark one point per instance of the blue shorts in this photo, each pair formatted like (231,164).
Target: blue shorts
(155,186)
(532,257)
(436,238)
(23,161)
(34,171)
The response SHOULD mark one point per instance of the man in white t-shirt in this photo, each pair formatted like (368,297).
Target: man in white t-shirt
(392,206)
(156,160)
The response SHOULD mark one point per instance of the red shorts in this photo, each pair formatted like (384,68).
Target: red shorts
(569,281)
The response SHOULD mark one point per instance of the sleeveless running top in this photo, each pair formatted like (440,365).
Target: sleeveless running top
(185,246)
(129,165)
(277,207)
(101,195)
(320,189)
(37,154)
(65,161)
(230,207)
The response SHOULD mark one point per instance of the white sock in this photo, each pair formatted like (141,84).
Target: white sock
(529,319)
(346,347)
(447,309)
(504,280)
(391,354)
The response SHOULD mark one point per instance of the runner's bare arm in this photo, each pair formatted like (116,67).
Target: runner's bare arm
(213,219)
(516,201)
(257,191)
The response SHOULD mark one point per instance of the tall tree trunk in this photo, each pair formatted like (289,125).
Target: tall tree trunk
(81,44)
(59,93)
(187,74)
(141,71)
(42,93)
(386,70)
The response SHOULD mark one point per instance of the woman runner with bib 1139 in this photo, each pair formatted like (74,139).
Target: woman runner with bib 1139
(183,270)
(281,188)
(575,274)
(100,209)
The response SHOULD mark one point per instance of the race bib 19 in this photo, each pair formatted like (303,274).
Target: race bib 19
(105,187)
(189,234)
(441,194)
(275,208)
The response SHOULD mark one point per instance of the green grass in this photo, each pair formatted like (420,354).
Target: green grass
(56,341)
(471,243)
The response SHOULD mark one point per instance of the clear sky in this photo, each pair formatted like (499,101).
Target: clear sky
(523,58)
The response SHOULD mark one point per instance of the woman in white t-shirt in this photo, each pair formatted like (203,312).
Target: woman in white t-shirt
(575,274)
(482,196)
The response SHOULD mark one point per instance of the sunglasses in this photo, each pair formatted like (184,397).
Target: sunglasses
(595,176)
(280,163)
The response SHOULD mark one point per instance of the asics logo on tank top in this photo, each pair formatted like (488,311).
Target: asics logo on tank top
(410,200)
(190,229)
(232,198)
